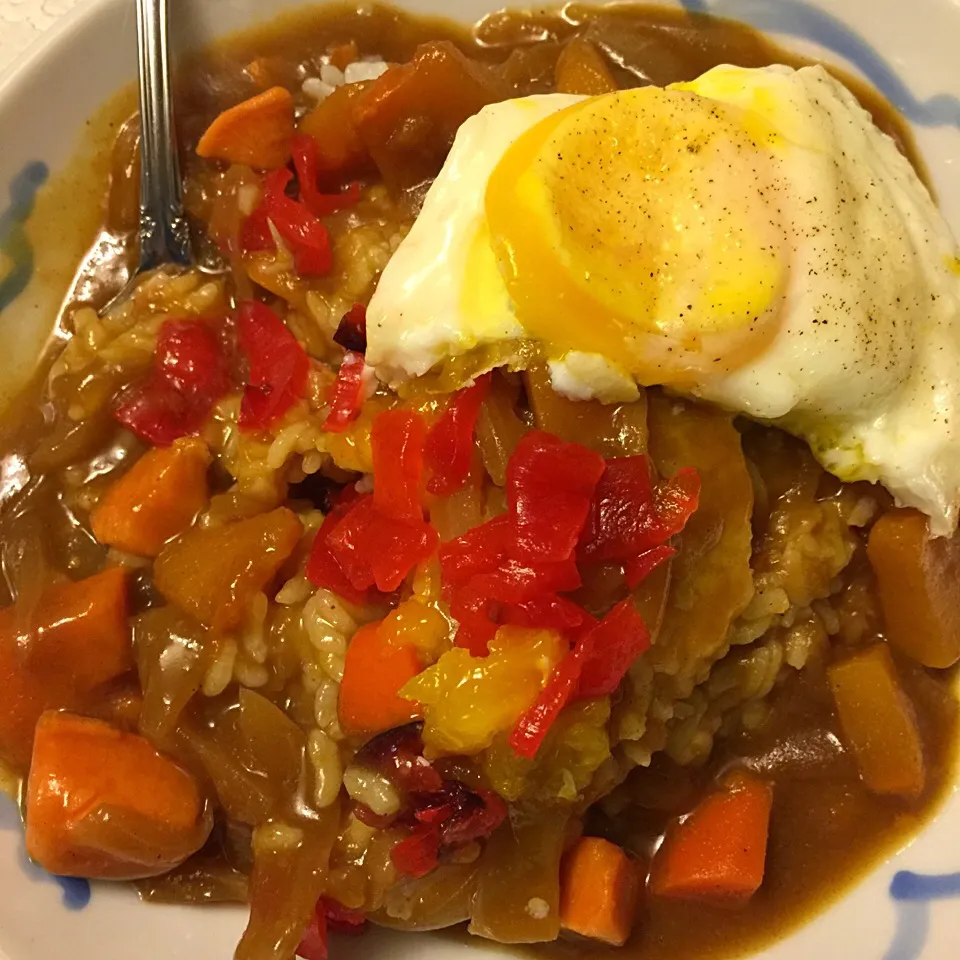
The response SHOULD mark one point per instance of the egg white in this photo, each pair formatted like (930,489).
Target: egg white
(866,363)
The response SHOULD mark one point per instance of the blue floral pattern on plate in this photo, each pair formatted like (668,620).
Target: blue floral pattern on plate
(15,249)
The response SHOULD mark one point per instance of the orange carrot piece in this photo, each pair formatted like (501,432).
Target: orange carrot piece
(77,640)
(341,154)
(256,132)
(581,69)
(343,54)
(599,891)
(82,633)
(717,854)
(158,498)
(879,722)
(375,669)
(918,582)
(105,804)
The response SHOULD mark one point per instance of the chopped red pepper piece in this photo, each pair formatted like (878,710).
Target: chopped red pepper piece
(549,612)
(304,151)
(623,495)
(550,484)
(610,648)
(300,229)
(479,550)
(397,442)
(190,373)
(279,366)
(475,613)
(449,449)
(373,549)
(313,944)
(673,504)
(340,918)
(352,330)
(516,581)
(533,726)
(639,568)
(255,232)
(346,395)
(416,855)
(191,358)
(322,567)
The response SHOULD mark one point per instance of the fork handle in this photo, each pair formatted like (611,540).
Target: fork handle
(164,233)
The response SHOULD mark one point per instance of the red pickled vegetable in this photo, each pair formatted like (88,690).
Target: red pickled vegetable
(617,514)
(475,614)
(373,549)
(479,550)
(340,918)
(346,395)
(517,581)
(305,162)
(255,232)
(550,485)
(191,358)
(534,724)
(279,366)
(322,567)
(417,854)
(608,650)
(300,229)
(313,944)
(449,448)
(352,330)
(640,567)
(397,442)
(549,612)
(673,504)
(190,373)
(157,412)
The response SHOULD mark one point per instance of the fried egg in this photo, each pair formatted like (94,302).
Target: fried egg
(749,238)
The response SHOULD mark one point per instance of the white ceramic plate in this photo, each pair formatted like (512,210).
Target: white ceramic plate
(904,911)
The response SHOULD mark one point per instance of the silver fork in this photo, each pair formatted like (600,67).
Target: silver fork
(164,233)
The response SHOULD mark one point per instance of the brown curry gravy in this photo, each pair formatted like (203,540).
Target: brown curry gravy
(827,830)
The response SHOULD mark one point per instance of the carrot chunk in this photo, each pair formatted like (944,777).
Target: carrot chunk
(158,498)
(341,154)
(717,854)
(375,669)
(879,722)
(918,580)
(599,891)
(105,804)
(581,69)
(256,132)
(77,639)
(411,113)
(214,573)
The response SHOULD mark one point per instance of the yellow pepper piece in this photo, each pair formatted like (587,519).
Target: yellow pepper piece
(417,625)
(468,700)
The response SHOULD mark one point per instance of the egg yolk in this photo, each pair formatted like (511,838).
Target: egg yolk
(643,225)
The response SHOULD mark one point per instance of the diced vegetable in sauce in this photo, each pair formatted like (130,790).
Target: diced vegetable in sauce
(103,803)
(600,890)
(918,580)
(878,721)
